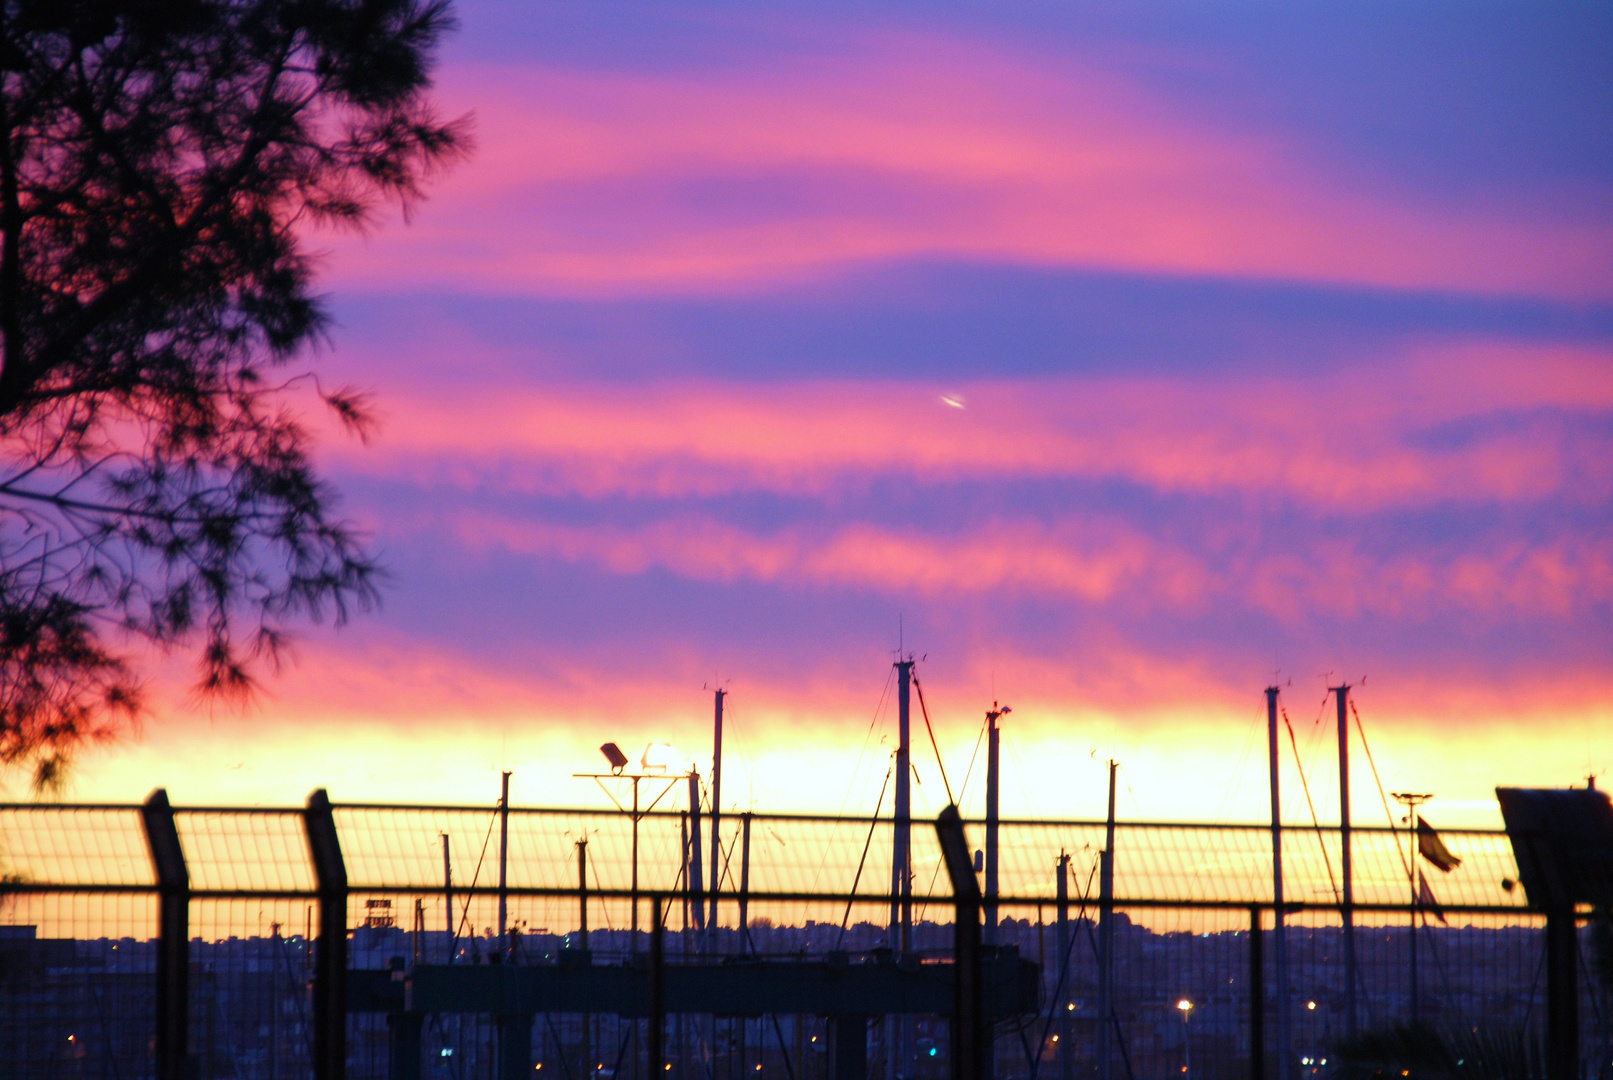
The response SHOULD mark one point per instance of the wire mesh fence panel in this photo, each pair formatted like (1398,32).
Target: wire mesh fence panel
(74,846)
(245,850)
(77,996)
(1232,864)
(79,916)
(825,856)
(251,963)
(1385,864)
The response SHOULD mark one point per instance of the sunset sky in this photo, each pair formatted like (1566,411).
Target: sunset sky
(1124,356)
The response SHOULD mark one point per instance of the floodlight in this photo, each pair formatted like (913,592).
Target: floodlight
(614,755)
(658,757)
(1185,1005)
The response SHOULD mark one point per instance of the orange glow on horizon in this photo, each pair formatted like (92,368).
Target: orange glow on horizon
(403,733)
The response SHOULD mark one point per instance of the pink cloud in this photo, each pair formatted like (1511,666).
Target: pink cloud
(1361,440)
(900,145)
(1104,563)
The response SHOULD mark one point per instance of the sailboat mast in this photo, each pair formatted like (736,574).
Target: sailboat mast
(901,849)
(1279,933)
(696,888)
(716,808)
(1061,979)
(1347,905)
(504,861)
(1106,939)
(993,743)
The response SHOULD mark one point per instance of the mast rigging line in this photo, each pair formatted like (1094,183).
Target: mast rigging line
(973,757)
(872,825)
(879,708)
(1362,731)
(935,874)
(1064,969)
(924,709)
(1316,822)
(1223,813)
(453,943)
(1020,772)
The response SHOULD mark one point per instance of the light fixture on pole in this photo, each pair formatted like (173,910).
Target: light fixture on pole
(653,767)
(1411,802)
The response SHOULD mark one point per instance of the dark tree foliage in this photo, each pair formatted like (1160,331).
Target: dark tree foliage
(161,165)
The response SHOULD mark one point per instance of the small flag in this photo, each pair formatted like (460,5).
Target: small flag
(1427,901)
(1433,848)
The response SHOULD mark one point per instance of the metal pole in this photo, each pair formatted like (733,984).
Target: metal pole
(448,896)
(902,860)
(1415,1004)
(992,791)
(173,936)
(993,746)
(1562,994)
(503,859)
(582,891)
(696,887)
(744,884)
(274,1002)
(847,1052)
(403,1045)
(716,809)
(1347,906)
(1106,938)
(632,937)
(969,1031)
(330,962)
(1279,932)
(585,1068)
(1061,978)
(1257,996)
(657,988)
(901,849)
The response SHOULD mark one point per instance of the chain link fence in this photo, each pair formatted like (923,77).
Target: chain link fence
(80,923)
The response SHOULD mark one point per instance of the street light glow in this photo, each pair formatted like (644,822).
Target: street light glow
(1185,1005)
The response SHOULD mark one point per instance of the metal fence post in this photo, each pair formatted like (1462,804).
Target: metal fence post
(1562,994)
(848,1047)
(657,989)
(403,1045)
(173,934)
(330,959)
(970,1034)
(1257,995)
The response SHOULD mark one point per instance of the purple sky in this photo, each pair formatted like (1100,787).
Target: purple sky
(1283,340)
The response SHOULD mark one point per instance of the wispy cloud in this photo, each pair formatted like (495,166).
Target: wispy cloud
(1456,424)
(666,370)
(891,144)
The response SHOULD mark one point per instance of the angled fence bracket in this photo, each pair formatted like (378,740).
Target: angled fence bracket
(173,934)
(330,958)
(971,1045)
